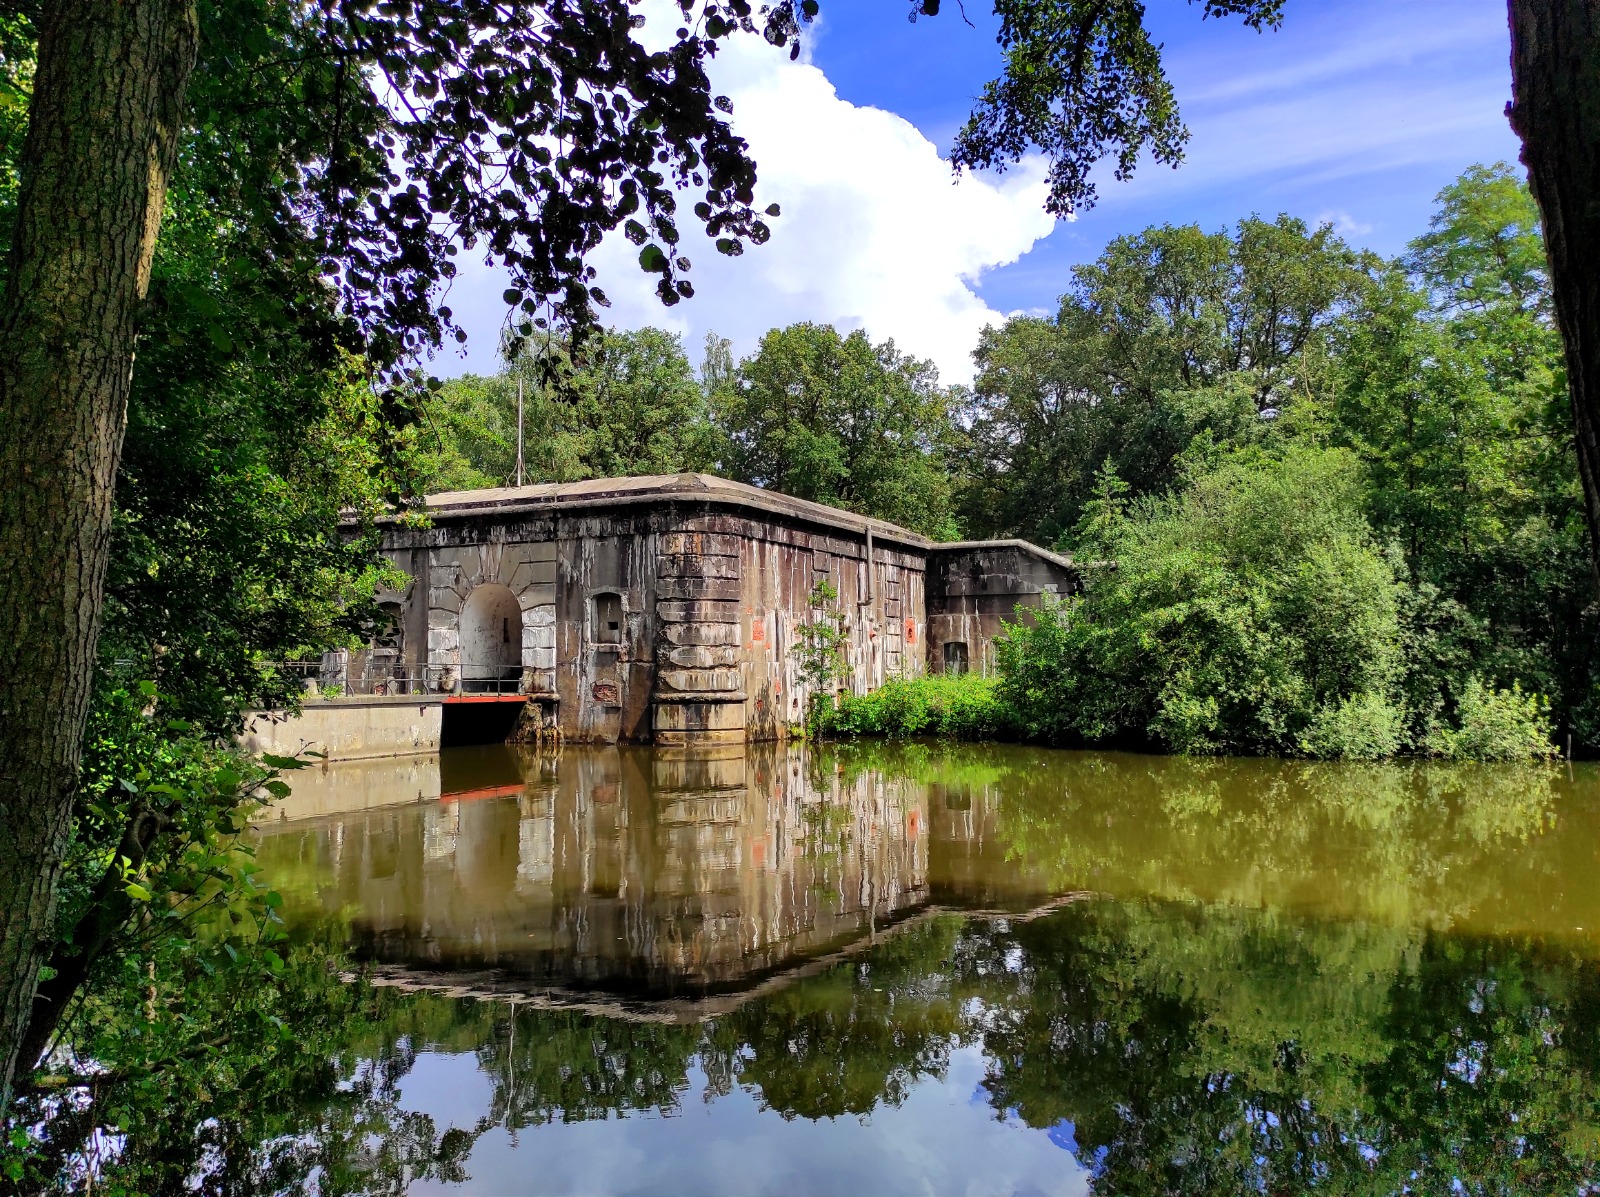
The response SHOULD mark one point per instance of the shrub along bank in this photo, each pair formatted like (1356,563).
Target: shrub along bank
(1252,611)
(950,706)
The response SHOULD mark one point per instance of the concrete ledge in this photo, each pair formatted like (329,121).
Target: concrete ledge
(362,700)
(348,731)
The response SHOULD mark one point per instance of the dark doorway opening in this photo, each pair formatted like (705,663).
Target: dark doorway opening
(478,722)
(955,656)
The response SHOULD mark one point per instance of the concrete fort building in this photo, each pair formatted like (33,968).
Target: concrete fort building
(657,610)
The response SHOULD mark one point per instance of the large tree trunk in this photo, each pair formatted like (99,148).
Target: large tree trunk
(102,136)
(1555,109)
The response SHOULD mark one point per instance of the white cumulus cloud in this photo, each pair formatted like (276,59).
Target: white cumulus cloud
(876,232)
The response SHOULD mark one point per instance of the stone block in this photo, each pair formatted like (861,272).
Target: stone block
(462,565)
(540,594)
(543,616)
(443,617)
(701,633)
(444,598)
(730,525)
(700,738)
(699,588)
(699,716)
(685,565)
(525,574)
(720,656)
(700,681)
(532,552)
(701,544)
(698,611)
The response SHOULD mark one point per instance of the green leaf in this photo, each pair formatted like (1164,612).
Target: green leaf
(653,260)
(137,892)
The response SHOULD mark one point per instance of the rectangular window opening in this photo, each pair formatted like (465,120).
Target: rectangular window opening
(608,618)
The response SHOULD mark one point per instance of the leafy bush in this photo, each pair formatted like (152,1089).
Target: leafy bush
(953,706)
(1252,612)
(1364,727)
(1496,725)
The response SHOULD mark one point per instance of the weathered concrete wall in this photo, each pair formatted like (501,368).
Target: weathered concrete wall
(668,609)
(606,573)
(974,587)
(348,729)
(666,620)
(733,592)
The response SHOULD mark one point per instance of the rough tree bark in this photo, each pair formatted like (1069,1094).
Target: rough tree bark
(102,137)
(1555,109)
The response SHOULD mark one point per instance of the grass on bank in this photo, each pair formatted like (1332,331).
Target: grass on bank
(1492,724)
(949,706)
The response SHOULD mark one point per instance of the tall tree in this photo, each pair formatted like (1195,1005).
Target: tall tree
(1169,334)
(1555,109)
(843,421)
(107,111)
(628,404)
(1084,81)
(1451,392)
(376,138)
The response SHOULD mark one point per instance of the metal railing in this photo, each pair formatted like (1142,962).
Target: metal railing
(331,677)
(504,684)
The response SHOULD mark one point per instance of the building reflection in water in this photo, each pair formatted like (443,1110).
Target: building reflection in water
(625,871)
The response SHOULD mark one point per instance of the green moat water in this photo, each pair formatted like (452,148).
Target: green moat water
(951,970)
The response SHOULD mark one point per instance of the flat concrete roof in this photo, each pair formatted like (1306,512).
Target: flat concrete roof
(707,488)
(655,488)
(1026,546)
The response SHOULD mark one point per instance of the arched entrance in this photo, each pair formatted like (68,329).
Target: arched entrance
(491,640)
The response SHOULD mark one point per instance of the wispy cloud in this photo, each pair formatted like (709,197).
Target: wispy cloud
(1343,223)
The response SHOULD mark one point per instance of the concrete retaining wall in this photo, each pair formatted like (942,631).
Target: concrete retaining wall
(348,729)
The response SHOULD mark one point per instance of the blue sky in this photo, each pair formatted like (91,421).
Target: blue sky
(1356,112)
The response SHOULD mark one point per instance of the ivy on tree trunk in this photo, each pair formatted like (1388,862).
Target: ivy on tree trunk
(103,132)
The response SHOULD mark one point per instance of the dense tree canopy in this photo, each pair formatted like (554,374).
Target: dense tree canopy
(341,156)
(1170,334)
(839,420)
(831,418)
(1188,375)
(629,404)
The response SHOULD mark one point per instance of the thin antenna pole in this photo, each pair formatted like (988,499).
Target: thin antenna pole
(519,430)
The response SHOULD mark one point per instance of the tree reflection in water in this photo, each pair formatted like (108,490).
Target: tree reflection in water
(1295,978)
